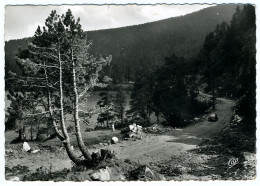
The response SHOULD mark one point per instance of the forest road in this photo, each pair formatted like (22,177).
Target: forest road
(174,143)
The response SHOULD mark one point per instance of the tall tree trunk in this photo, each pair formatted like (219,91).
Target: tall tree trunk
(65,141)
(23,134)
(81,144)
(50,108)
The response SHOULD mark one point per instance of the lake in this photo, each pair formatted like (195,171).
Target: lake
(91,103)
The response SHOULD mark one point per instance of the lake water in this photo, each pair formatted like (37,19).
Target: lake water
(91,103)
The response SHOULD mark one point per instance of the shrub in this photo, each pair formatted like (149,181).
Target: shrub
(70,129)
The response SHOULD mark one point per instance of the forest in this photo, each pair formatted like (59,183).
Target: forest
(140,48)
(172,73)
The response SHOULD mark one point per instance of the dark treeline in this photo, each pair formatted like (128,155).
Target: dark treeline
(140,49)
(228,63)
(225,66)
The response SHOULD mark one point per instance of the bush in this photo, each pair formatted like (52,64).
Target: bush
(70,129)
(16,140)
(89,129)
(41,137)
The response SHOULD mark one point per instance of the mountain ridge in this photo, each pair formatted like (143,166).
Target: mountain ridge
(143,47)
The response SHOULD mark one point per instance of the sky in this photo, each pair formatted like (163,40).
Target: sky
(22,21)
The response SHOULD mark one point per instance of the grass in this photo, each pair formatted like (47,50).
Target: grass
(90,138)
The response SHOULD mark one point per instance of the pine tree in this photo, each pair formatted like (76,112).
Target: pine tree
(120,104)
(171,94)
(141,105)
(20,116)
(66,73)
(105,103)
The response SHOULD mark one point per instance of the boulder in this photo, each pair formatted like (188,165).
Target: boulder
(101,175)
(114,140)
(26,147)
(138,129)
(35,151)
(135,128)
(132,127)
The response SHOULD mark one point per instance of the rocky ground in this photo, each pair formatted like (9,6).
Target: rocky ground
(162,153)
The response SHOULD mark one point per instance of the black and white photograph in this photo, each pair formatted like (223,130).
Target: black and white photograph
(129,92)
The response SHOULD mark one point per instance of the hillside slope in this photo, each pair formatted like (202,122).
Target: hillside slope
(143,47)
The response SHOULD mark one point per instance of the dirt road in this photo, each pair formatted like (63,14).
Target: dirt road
(175,142)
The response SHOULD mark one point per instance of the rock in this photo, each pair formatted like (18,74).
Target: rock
(196,119)
(131,135)
(16,178)
(35,151)
(237,118)
(113,127)
(154,127)
(26,147)
(101,175)
(148,172)
(135,128)
(132,127)
(114,140)
(143,173)
(139,128)
(134,135)
(101,144)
